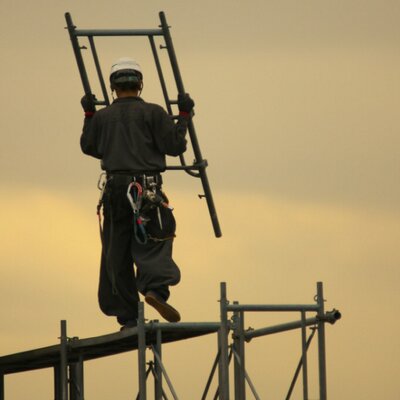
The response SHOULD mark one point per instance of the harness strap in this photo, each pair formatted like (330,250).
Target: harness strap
(101,184)
(136,202)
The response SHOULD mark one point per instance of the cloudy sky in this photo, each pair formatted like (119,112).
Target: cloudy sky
(296,112)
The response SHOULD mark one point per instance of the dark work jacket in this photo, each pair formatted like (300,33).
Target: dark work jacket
(132,135)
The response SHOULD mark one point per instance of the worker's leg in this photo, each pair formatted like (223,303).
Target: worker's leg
(118,294)
(156,270)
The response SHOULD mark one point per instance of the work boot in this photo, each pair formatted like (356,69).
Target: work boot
(166,311)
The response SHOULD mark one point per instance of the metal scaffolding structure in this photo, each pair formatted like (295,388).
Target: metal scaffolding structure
(68,357)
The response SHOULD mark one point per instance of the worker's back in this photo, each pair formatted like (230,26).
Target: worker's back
(132,135)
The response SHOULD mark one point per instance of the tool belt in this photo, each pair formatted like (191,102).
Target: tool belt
(152,214)
(144,178)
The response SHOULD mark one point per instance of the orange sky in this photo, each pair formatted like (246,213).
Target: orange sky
(296,111)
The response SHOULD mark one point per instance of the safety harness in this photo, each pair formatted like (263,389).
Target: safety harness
(101,185)
(141,197)
(135,197)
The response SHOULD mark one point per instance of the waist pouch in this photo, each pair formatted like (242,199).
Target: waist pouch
(159,223)
(153,217)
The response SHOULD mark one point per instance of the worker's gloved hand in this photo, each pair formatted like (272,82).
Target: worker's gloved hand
(88,103)
(185,103)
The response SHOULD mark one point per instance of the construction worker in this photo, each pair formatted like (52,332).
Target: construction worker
(131,138)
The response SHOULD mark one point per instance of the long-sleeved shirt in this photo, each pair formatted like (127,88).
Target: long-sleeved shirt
(132,135)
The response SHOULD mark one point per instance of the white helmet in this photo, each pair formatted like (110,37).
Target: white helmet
(125,63)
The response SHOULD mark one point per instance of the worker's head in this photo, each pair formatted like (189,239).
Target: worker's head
(126,76)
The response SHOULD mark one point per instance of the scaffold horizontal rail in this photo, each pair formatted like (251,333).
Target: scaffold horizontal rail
(118,32)
(330,316)
(273,307)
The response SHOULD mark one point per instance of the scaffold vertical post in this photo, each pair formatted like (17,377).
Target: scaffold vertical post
(1,386)
(321,342)
(98,69)
(57,387)
(76,389)
(238,346)
(191,129)
(78,55)
(141,352)
(304,354)
(63,361)
(158,392)
(223,346)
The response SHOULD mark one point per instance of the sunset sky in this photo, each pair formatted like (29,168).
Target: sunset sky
(296,113)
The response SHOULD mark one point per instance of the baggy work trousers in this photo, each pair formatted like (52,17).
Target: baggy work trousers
(119,282)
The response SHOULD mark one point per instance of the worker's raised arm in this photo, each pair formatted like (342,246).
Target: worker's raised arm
(89,137)
(170,137)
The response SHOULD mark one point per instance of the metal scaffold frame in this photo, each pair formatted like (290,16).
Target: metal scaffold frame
(68,357)
(198,168)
